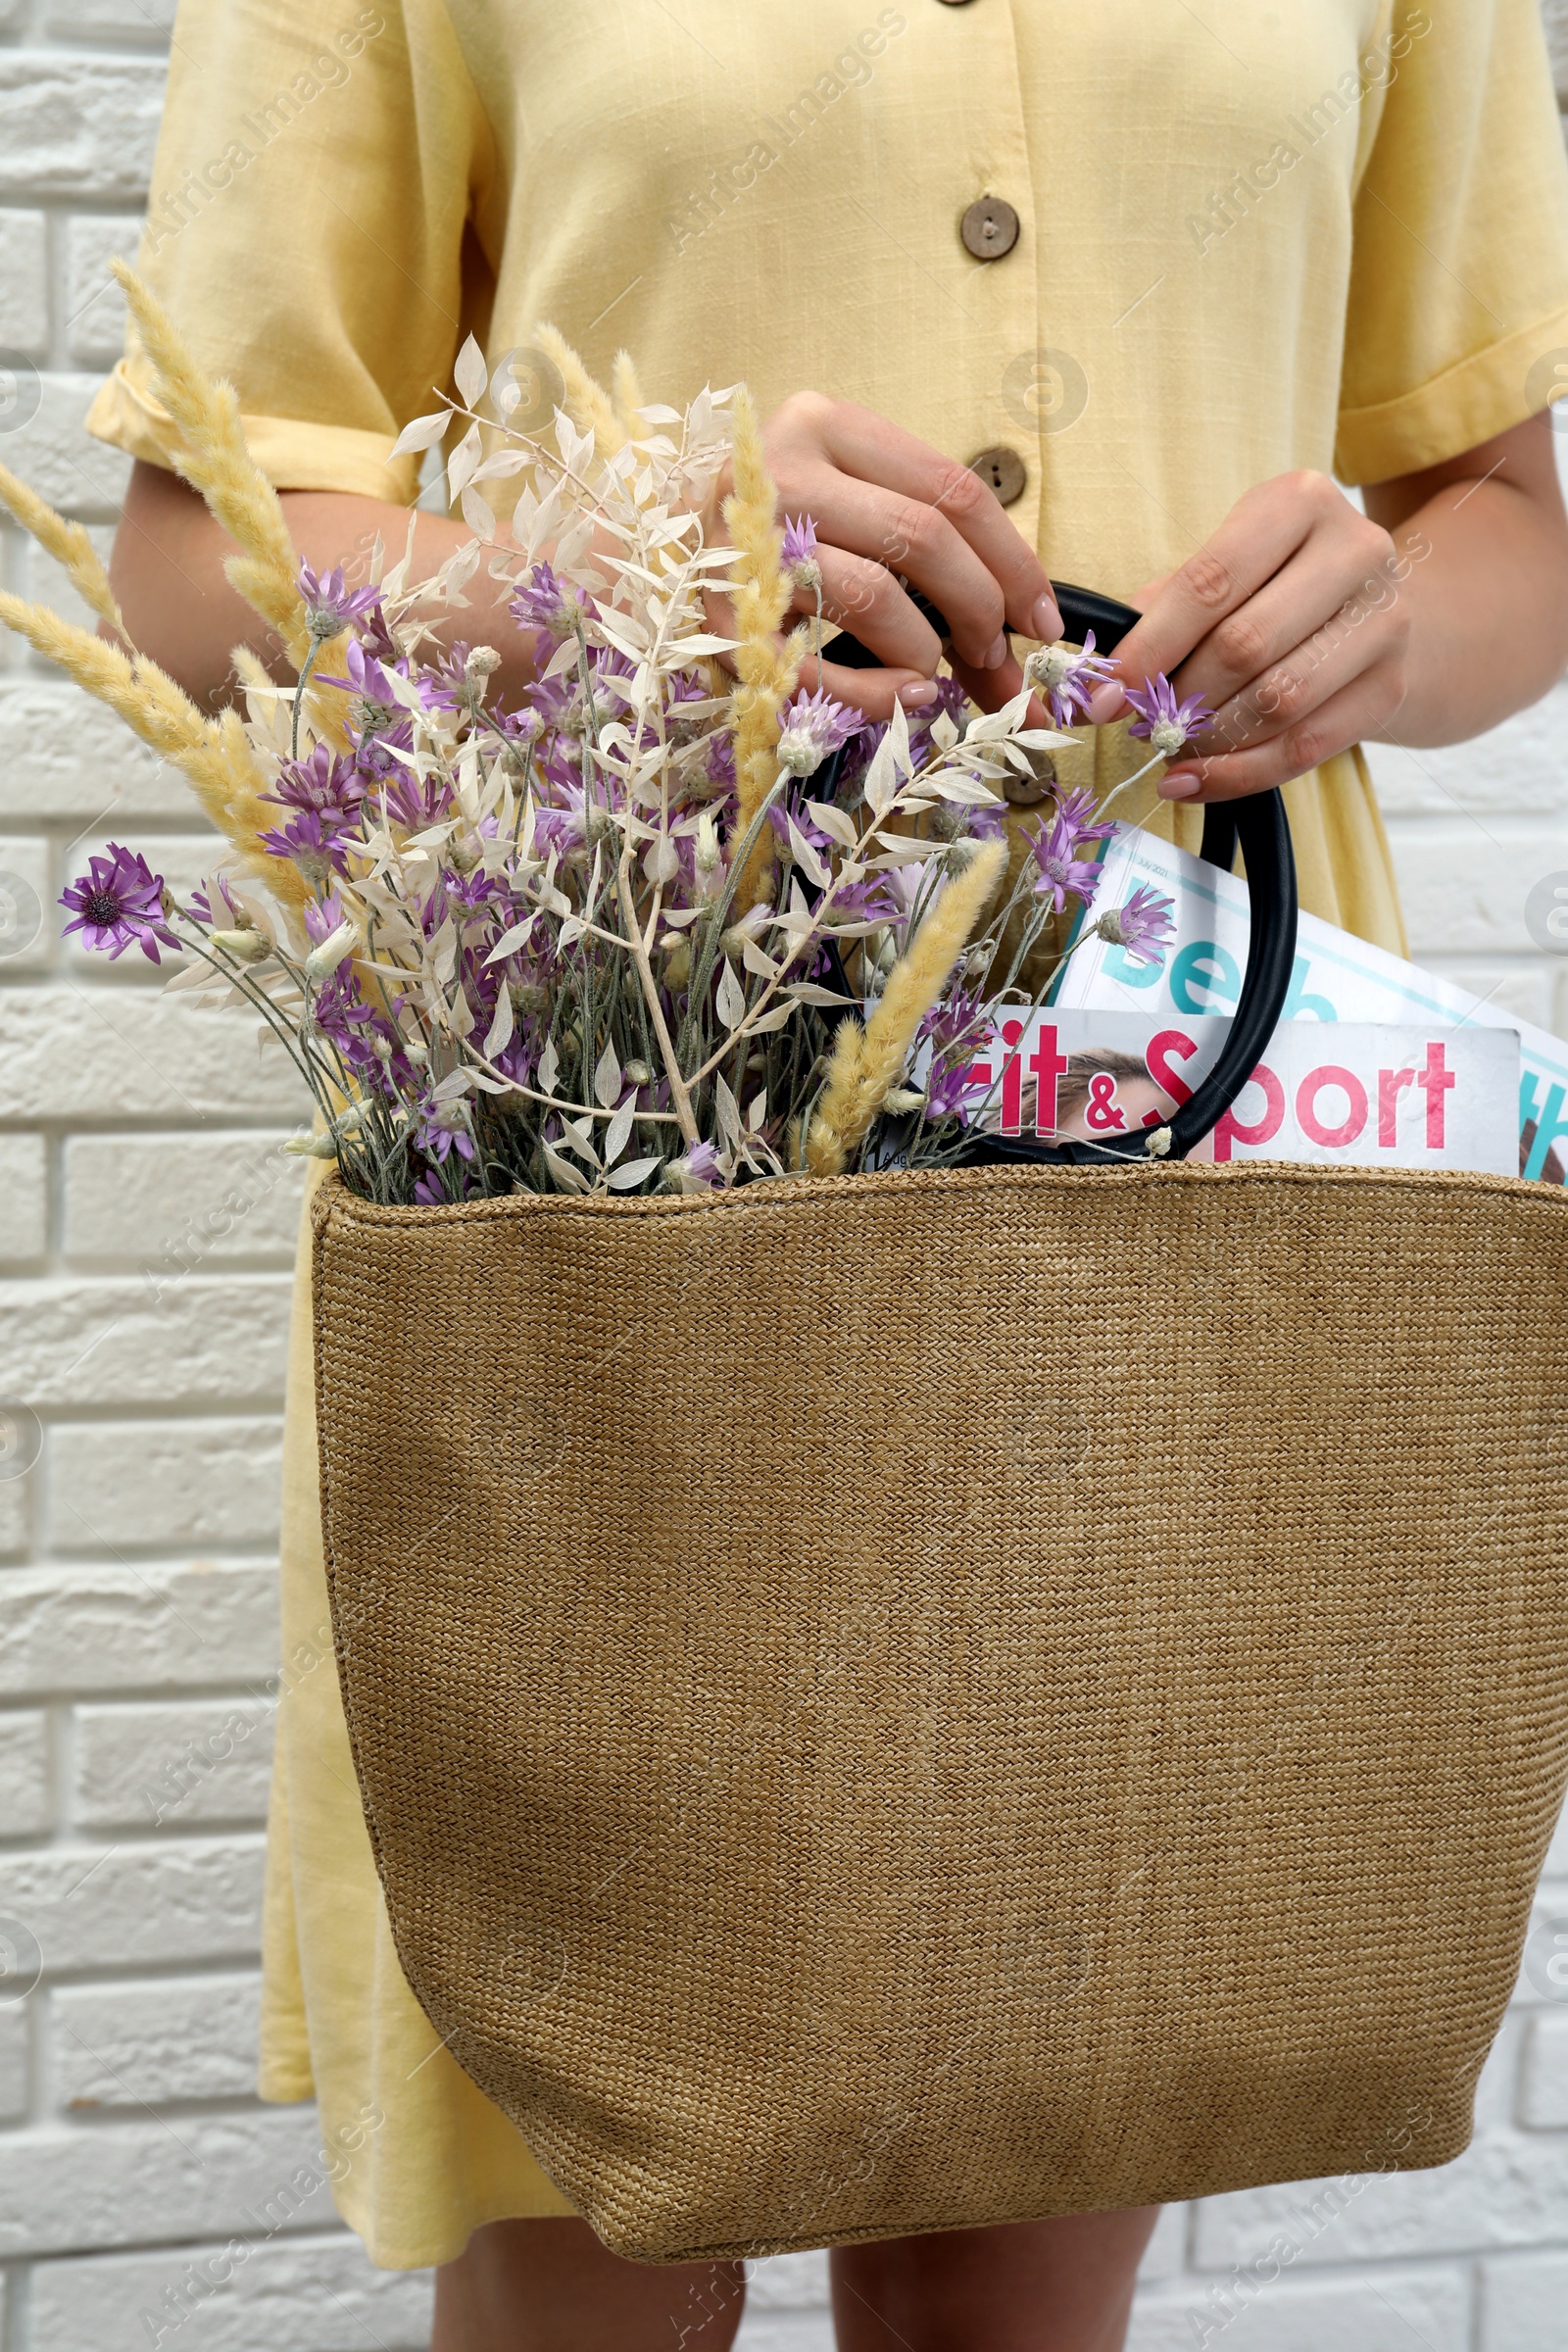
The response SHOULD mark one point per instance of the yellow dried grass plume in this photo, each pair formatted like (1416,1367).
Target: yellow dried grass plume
(867,1065)
(213,459)
(215,754)
(586,403)
(767,670)
(68,543)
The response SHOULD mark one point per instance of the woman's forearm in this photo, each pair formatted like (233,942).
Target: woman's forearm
(168,572)
(1483,549)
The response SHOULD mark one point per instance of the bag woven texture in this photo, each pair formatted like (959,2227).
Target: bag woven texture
(915,1700)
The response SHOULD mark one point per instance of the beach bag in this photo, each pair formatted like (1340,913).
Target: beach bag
(911,1700)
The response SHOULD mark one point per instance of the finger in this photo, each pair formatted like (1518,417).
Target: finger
(1260,533)
(883,453)
(866,600)
(1291,689)
(872,692)
(1333,585)
(906,536)
(1368,703)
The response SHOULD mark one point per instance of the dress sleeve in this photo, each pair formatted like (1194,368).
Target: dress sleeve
(1458,299)
(317,230)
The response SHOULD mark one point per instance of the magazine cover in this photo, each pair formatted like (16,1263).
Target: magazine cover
(1336,978)
(1372,1094)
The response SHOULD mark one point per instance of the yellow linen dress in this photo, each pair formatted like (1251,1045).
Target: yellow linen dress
(1252,237)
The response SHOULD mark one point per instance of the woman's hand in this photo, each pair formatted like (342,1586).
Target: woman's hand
(1290,622)
(887,508)
(1309,625)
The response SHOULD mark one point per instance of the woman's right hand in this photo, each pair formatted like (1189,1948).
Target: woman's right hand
(888,507)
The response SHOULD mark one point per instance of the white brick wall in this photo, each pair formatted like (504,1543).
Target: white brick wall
(146,1231)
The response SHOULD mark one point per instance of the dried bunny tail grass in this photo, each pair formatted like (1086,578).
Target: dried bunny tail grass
(70,546)
(861,1073)
(213,754)
(586,403)
(215,460)
(628,397)
(252,671)
(824,1152)
(761,598)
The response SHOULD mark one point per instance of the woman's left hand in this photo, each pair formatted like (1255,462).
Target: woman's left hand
(1290,623)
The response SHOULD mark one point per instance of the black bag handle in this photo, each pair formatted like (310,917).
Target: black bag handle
(1259,825)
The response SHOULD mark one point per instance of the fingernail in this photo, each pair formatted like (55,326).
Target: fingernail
(917,693)
(1104,703)
(998,653)
(1179,784)
(1045,620)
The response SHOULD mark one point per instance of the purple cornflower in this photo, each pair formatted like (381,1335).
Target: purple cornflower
(573,820)
(327,782)
(954,1030)
(700,1170)
(1164,723)
(798,552)
(1142,926)
(1060,872)
(325,917)
(222,916)
(121,902)
(312,843)
(365,1040)
(330,606)
(1066,678)
(867,902)
(813,727)
(522,726)
(543,602)
(371,680)
(413,801)
(1077,810)
(443,1128)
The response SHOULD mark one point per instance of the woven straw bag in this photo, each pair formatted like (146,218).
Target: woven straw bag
(914,1701)
(907,1702)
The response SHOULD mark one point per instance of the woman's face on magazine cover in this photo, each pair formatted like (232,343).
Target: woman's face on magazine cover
(1136,1097)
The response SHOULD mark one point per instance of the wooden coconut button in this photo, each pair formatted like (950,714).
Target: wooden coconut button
(1027,792)
(989,228)
(1002,471)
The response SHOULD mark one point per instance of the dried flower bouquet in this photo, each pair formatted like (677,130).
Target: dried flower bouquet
(608,936)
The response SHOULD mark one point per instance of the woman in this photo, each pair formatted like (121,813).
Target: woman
(1106,293)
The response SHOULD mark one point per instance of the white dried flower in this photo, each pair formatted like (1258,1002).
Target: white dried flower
(322,960)
(245,947)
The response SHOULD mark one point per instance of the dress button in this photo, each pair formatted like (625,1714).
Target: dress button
(989,228)
(1002,471)
(1027,792)
(955,3)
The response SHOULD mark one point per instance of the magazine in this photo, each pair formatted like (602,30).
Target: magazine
(1336,978)
(1373,1094)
